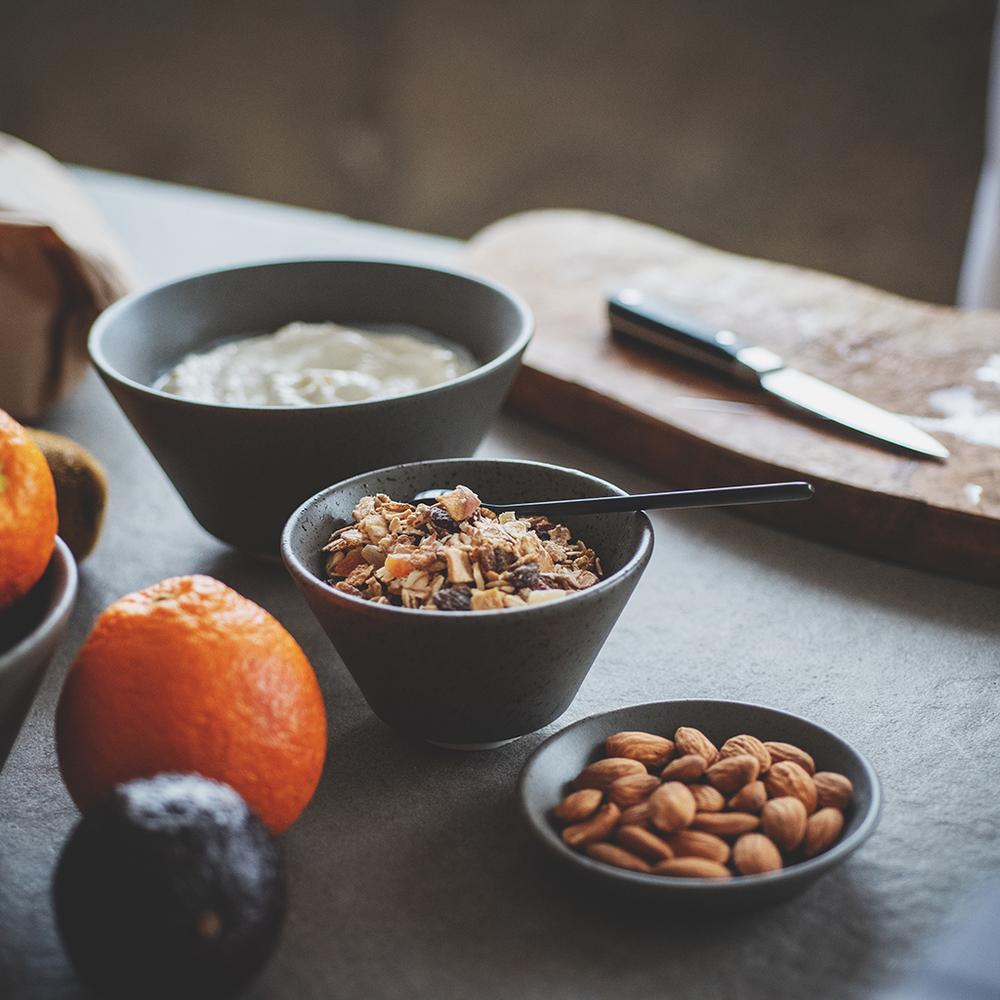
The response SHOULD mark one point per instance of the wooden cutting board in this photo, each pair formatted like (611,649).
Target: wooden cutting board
(937,364)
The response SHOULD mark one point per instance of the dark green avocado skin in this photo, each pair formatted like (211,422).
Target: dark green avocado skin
(170,887)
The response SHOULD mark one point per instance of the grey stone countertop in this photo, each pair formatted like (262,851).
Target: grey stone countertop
(411,873)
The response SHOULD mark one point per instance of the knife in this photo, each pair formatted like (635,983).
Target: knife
(636,316)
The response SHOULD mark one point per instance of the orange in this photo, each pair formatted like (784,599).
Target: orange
(28,521)
(188,675)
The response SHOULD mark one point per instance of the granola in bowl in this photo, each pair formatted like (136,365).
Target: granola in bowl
(455,555)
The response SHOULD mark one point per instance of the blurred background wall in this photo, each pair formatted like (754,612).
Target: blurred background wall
(841,135)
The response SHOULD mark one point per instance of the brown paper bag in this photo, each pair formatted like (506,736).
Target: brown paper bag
(59,267)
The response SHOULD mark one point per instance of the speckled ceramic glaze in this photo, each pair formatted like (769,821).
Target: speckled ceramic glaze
(551,768)
(475,678)
(241,469)
(29,635)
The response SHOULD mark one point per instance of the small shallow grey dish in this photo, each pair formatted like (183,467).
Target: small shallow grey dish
(29,635)
(243,469)
(472,679)
(547,775)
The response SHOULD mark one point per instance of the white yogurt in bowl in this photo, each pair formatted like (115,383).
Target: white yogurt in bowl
(312,364)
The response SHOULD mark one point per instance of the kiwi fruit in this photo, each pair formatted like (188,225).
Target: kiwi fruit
(81,490)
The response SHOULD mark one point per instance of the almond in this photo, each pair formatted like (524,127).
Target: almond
(784,821)
(641,841)
(822,830)
(731,773)
(785,751)
(707,799)
(754,854)
(632,789)
(688,740)
(591,830)
(832,789)
(698,844)
(577,806)
(788,778)
(653,751)
(601,773)
(616,856)
(635,815)
(688,768)
(725,824)
(671,807)
(750,798)
(743,743)
(691,868)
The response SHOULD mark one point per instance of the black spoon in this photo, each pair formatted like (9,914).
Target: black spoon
(722,496)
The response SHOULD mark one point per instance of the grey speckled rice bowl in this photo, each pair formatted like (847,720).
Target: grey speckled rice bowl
(478,678)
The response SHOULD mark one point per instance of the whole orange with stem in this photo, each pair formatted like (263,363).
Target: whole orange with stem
(188,675)
(28,519)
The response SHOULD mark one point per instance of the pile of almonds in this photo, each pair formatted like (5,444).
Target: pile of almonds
(683,807)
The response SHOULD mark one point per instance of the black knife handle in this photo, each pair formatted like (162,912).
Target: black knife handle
(634,316)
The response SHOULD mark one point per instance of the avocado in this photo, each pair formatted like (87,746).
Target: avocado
(170,887)
(81,490)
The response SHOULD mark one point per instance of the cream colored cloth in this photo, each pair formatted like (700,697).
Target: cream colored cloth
(979,282)
(59,267)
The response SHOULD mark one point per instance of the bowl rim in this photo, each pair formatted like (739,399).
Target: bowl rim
(545,834)
(65,594)
(110,315)
(301,573)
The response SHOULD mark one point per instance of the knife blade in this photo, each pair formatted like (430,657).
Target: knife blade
(636,316)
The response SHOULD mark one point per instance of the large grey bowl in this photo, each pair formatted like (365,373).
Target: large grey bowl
(29,634)
(242,469)
(547,775)
(476,678)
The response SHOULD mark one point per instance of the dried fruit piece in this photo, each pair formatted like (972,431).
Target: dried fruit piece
(822,830)
(707,798)
(453,599)
(577,806)
(601,773)
(653,751)
(784,821)
(397,565)
(732,773)
(688,768)
(487,600)
(725,824)
(591,830)
(442,520)
(750,798)
(691,868)
(786,751)
(688,740)
(460,503)
(458,565)
(832,789)
(671,807)
(632,789)
(526,577)
(699,844)
(754,854)
(788,778)
(616,856)
(744,743)
(646,844)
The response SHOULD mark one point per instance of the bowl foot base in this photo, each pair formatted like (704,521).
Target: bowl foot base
(474,746)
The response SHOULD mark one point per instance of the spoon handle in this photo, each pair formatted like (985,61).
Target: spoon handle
(723,496)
